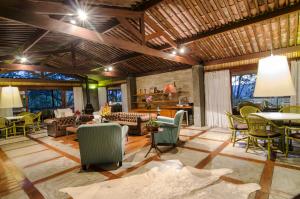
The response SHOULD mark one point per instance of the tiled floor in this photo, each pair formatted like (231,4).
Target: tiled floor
(38,166)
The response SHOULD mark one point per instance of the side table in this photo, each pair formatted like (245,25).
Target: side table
(153,145)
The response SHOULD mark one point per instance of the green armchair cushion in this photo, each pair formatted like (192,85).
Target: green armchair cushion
(169,129)
(101,143)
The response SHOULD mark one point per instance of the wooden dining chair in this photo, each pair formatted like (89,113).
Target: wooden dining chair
(246,110)
(25,123)
(260,128)
(236,124)
(4,126)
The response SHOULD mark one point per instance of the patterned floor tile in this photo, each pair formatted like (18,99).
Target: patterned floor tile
(243,170)
(208,145)
(25,150)
(186,156)
(50,188)
(215,135)
(189,132)
(286,180)
(239,150)
(33,158)
(48,168)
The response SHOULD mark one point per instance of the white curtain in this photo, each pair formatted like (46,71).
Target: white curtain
(295,72)
(217,98)
(78,99)
(124,98)
(102,96)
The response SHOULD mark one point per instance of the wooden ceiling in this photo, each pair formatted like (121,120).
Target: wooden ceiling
(138,36)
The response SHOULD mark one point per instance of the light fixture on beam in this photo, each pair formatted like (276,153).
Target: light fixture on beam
(105,69)
(110,68)
(82,15)
(174,52)
(73,21)
(23,59)
(274,78)
(182,50)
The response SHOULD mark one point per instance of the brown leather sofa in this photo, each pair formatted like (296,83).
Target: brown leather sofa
(57,127)
(135,121)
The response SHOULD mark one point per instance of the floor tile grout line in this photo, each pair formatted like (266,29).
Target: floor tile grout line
(212,155)
(55,175)
(27,154)
(41,162)
(287,166)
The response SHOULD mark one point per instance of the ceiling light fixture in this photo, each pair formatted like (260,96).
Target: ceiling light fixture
(110,68)
(182,50)
(72,21)
(105,69)
(23,60)
(174,52)
(82,15)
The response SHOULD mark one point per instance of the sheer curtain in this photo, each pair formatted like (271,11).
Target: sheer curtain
(217,98)
(78,99)
(295,72)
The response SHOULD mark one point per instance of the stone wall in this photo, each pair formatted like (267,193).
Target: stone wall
(182,78)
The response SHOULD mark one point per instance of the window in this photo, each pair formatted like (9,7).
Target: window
(69,99)
(43,99)
(20,75)
(114,95)
(243,89)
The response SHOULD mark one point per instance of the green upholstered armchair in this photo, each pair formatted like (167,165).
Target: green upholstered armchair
(101,143)
(170,129)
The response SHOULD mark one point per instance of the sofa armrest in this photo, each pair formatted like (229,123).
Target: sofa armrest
(166,124)
(165,119)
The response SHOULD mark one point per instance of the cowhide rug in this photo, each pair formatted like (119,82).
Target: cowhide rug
(170,180)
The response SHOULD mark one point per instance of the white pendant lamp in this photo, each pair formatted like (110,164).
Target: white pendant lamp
(274,78)
(10,97)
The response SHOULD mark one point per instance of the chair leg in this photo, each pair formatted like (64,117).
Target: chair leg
(286,146)
(248,142)
(6,133)
(269,149)
(233,137)
(24,130)
(120,163)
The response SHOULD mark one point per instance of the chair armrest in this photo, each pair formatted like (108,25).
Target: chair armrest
(165,119)
(238,119)
(166,124)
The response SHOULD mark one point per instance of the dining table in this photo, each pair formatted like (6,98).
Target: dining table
(276,116)
(14,119)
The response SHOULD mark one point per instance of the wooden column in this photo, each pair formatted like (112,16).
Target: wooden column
(131,92)
(198,95)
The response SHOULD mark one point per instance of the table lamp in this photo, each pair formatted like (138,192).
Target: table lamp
(10,97)
(274,78)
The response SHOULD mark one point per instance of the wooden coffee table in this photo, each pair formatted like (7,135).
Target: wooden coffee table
(71,129)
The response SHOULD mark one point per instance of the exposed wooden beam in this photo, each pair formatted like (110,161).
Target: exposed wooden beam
(254,55)
(47,23)
(30,43)
(147,5)
(156,27)
(56,70)
(124,58)
(36,53)
(152,36)
(125,23)
(241,23)
(56,8)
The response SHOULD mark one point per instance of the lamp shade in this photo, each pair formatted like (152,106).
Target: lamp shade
(10,97)
(169,88)
(274,78)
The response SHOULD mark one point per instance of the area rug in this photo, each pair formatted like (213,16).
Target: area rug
(170,180)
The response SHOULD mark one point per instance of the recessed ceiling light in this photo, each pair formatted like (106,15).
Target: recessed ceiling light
(110,68)
(72,21)
(105,69)
(182,50)
(82,15)
(174,52)
(23,60)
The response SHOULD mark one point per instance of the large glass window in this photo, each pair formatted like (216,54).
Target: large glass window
(243,89)
(114,95)
(43,99)
(69,99)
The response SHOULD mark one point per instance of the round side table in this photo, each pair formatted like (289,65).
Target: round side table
(153,145)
